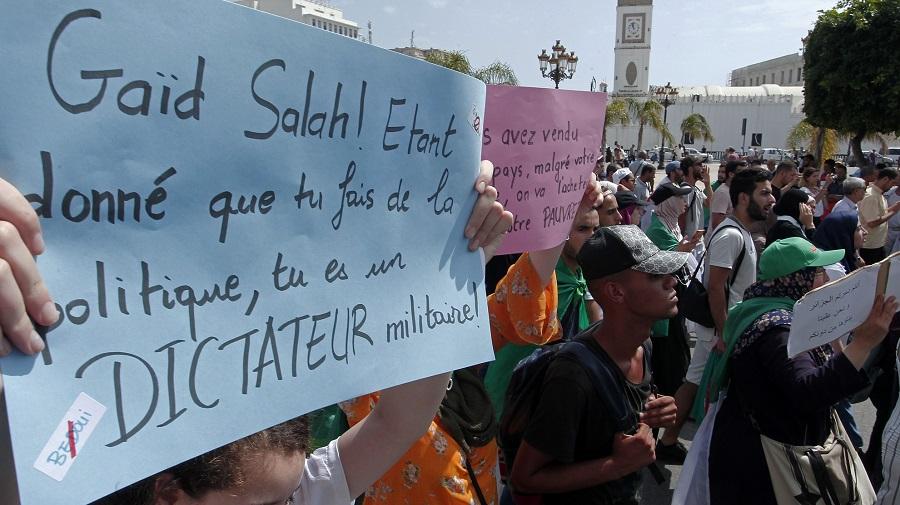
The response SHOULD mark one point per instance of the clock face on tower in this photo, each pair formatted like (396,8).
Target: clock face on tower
(633,28)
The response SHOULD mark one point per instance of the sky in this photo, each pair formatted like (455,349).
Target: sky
(694,42)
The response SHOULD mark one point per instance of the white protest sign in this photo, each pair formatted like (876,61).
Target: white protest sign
(833,310)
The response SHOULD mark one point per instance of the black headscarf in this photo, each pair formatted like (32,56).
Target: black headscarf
(789,204)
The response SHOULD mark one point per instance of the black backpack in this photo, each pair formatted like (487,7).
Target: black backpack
(523,392)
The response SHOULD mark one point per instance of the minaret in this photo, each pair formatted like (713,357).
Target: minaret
(633,28)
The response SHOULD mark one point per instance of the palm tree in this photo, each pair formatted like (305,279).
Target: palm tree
(616,115)
(821,142)
(695,125)
(648,113)
(495,73)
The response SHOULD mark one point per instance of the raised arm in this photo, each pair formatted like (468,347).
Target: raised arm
(403,412)
(22,290)
(544,261)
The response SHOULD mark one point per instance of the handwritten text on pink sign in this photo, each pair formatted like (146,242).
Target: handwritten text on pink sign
(544,144)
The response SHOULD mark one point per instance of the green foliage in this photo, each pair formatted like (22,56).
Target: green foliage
(696,126)
(616,114)
(495,73)
(851,66)
(454,60)
(821,142)
(649,113)
(800,136)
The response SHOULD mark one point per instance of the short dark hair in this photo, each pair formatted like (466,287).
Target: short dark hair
(733,166)
(744,182)
(687,162)
(890,173)
(647,167)
(880,166)
(785,165)
(866,171)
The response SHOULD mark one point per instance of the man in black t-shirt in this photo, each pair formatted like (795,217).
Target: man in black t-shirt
(571,452)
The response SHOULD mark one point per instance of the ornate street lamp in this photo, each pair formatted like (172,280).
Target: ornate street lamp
(666,96)
(561,64)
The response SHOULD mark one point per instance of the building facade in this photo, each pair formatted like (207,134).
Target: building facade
(314,13)
(783,71)
(632,50)
(770,111)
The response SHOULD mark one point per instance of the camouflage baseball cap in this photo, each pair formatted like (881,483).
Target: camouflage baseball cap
(614,249)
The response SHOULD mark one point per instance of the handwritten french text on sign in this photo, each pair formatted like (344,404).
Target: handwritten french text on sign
(239,230)
(832,311)
(544,144)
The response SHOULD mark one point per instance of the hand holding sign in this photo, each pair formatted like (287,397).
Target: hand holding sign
(22,290)
(488,222)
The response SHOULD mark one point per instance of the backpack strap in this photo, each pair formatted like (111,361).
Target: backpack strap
(607,381)
(737,263)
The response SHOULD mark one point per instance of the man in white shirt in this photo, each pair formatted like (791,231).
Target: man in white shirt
(643,187)
(854,190)
(721,202)
(725,281)
(695,172)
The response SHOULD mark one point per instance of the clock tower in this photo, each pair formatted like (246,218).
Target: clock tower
(632,72)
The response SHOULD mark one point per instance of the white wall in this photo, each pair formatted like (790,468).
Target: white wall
(772,116)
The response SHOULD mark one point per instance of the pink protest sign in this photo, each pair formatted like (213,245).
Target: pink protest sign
(543,143)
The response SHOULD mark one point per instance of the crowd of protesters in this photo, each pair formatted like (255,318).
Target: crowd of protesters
(594,375)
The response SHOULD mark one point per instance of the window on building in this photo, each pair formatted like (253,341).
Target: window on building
(773,78)
(782,77)
(791,75)
(799,74)
(764,79)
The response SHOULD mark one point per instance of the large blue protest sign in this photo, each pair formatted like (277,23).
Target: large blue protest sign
(246,219)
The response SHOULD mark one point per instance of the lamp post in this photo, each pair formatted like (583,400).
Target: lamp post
(560,63)
(666,95)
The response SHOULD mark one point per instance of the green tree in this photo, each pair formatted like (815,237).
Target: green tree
(851,64)
(495,73)
(648,113)
(616,115)
(823,143)
(696,125)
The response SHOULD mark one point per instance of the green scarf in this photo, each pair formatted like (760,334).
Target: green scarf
(715,375)
(571,287)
